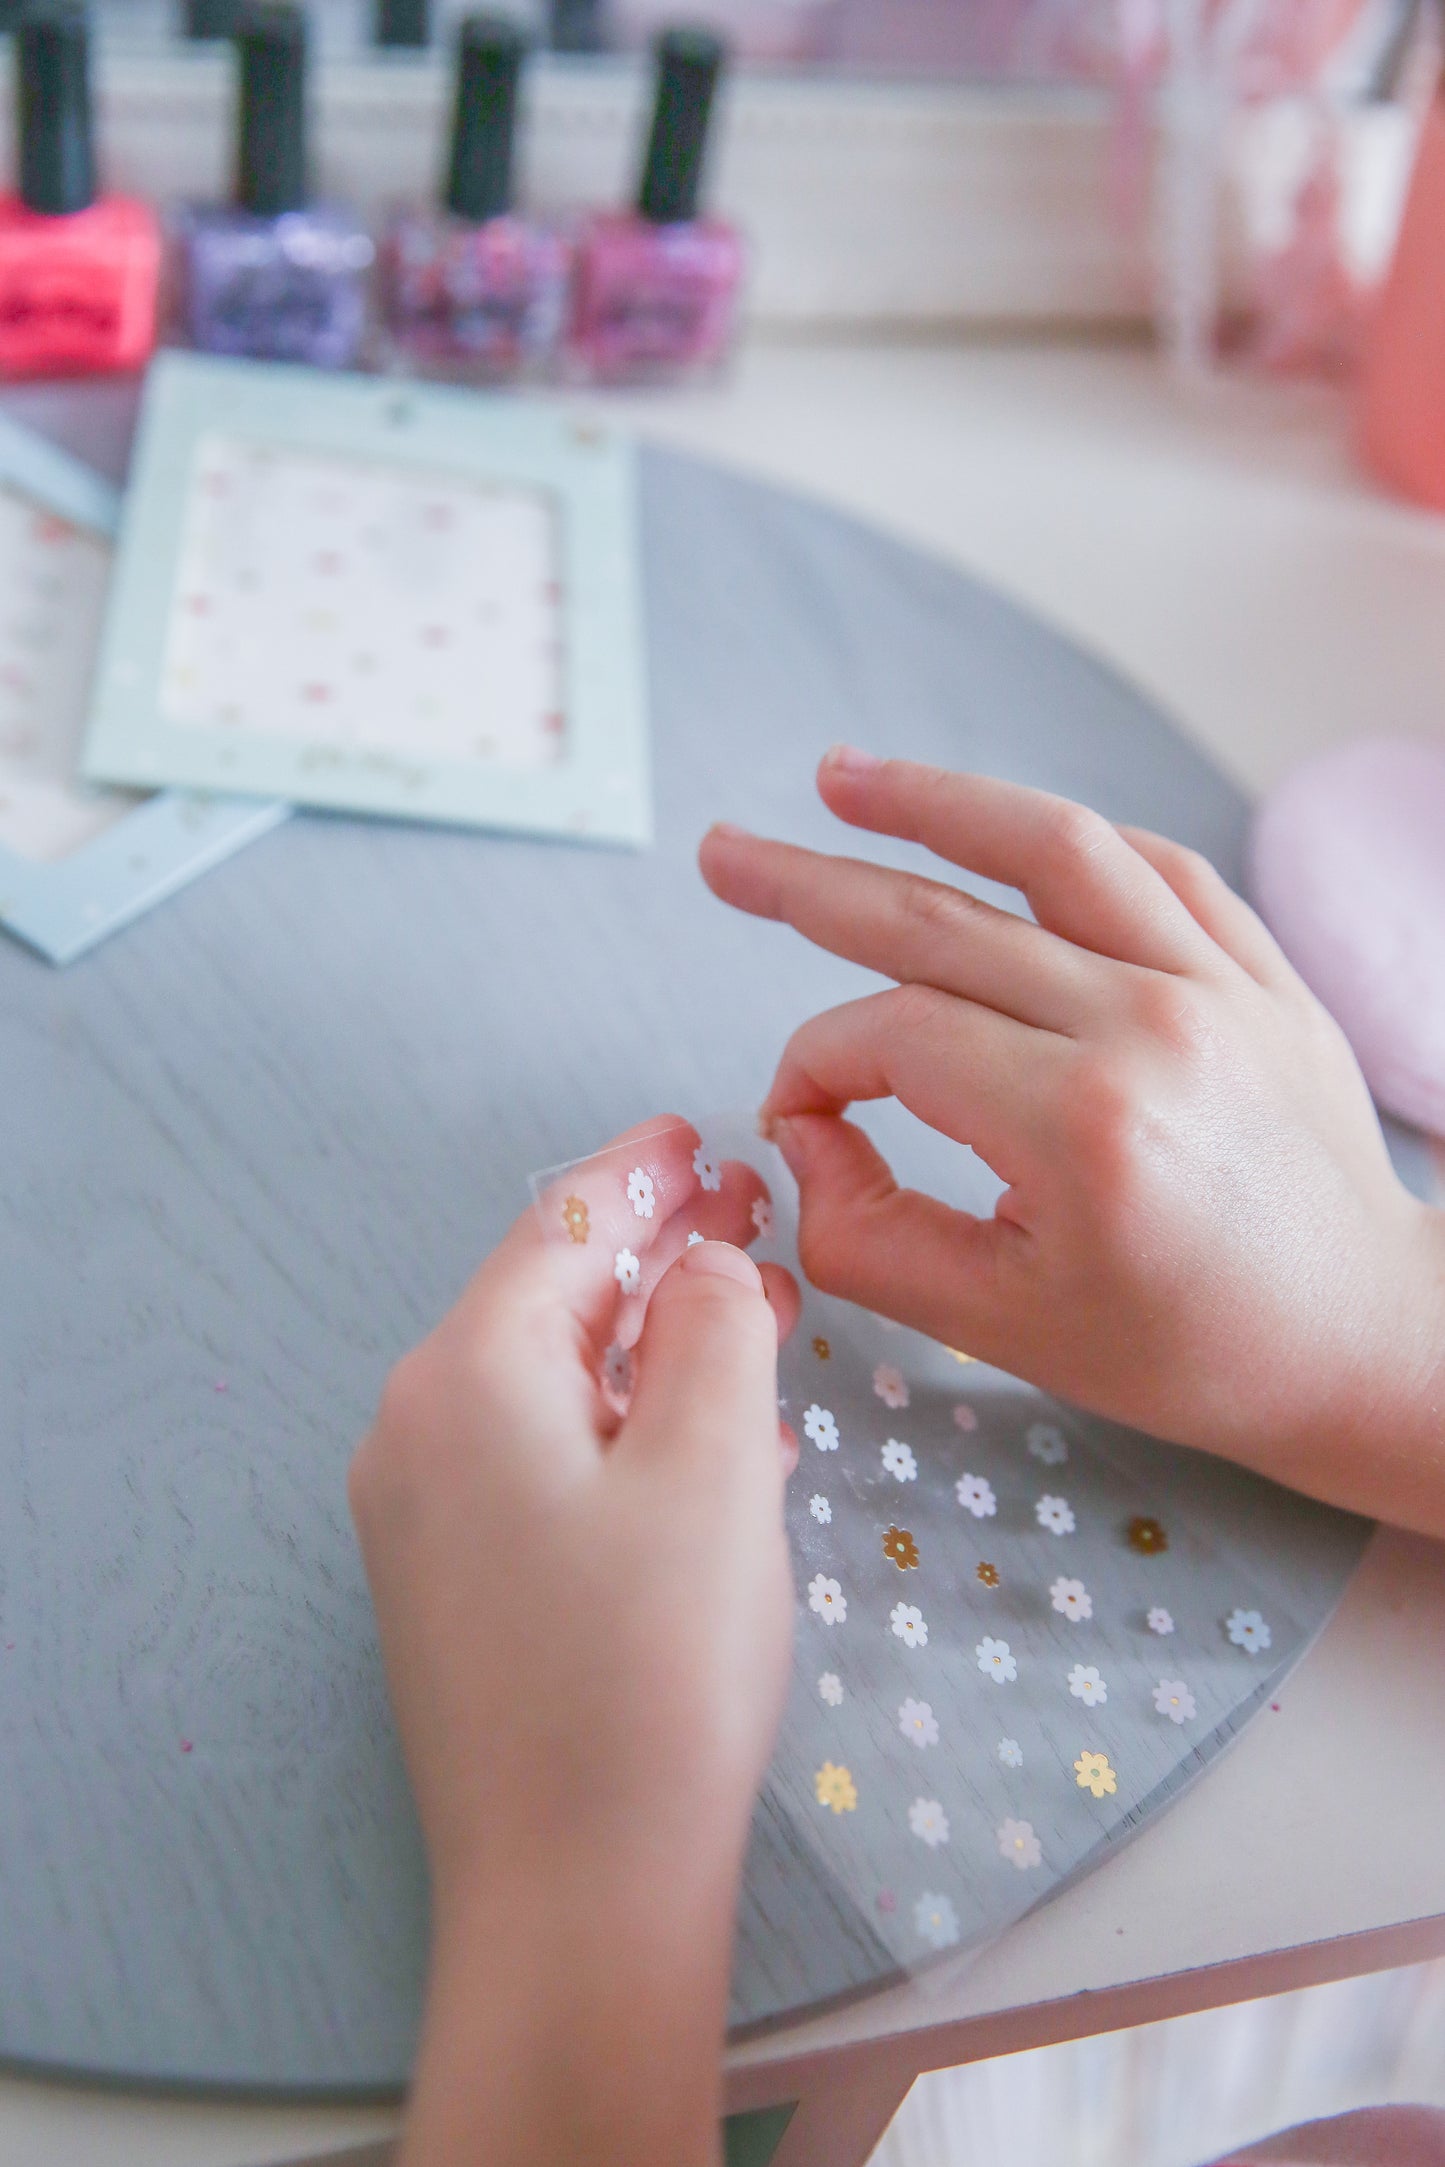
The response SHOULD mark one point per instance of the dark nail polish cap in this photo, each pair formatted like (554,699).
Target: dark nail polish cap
(403,22)
(490,52)
(688,65)
(52,93)
(271,133)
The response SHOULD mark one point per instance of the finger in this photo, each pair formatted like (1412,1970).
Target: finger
(970,1073)
(1212,904)
(905,927)
(726,1213)
(1080,877)
(781,1289)
(903,1254)
(707,1390)
(612,1206)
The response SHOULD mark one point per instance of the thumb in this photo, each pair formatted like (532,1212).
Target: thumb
(892,1250)
(707,1386)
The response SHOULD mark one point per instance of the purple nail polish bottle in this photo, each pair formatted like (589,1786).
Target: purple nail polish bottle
(273,277)
(656,289)
(471,289)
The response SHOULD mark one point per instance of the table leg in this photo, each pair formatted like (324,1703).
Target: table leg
(839,2123)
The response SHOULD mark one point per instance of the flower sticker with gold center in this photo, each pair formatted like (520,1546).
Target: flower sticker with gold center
(1146,1536)
(899,1545)
(821,1347)
(575,1219)
(1093,1773)
(835,1788)
(987,1573)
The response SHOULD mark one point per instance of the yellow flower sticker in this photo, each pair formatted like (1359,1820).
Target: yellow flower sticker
(835,1788)
(575,1219)
(1093,1773)
(987,1573)
(1146,1536)
(959,1355)
(821,1348)
(899,1545)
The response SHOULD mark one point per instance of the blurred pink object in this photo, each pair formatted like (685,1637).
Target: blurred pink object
(1348,872)
(1402,392)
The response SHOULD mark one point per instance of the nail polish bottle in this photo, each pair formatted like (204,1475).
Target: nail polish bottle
(471,289)
(273,276)
(78,274)
(656,289)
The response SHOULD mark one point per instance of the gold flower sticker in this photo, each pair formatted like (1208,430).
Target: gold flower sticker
(821,1348)
(987,1573)
(1093,1773)
(899,1545)
(835,1788)
(1146,1536)
(959,1355)
(575,1219)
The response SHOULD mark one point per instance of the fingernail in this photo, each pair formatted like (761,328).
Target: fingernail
(730,832)
(785,1137)
(850,760)
(722,1261)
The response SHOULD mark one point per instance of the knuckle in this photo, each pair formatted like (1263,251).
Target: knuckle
(1101,1112)
(1174,1015)
(1075,832)
(932,909)
(916,1008)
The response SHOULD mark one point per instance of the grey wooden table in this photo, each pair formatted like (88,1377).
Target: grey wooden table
(253,1147)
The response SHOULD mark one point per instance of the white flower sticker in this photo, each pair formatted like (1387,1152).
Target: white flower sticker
(830,1688)
(819,1426)
(762,1216)
(1018,1843)
(996,1662)
(917,1722)
(1072,1600)
(1173,1698)
(899,1462)
(1056,1514)
(964,1417)
(693,1239)
(819,1507)
(1047,1443)
(975,1494)
(706,1168)
(928,1822)
(889,1384)
(640,1193)
(936,1920)
(1011,1753)
(827,1599)
(617,1371)
(627,1271)
(1086,1685)
(1247,1629)
(907,1623)
(1159,1620)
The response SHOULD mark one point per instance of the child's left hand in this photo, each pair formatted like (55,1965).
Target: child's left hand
(586,1622)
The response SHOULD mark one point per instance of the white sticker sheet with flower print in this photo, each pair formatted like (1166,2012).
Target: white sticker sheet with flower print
(983,1702)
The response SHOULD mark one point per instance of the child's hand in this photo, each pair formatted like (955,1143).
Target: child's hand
(1201,1233)
(585,1622)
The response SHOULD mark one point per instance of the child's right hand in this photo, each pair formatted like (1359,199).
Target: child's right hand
(1201,1233)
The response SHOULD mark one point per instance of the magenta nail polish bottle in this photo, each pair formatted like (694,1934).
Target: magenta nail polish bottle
(471,289)
(656,289)
(272,276)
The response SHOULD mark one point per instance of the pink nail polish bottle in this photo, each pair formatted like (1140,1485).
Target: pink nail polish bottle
(1402,383)
(656,289)
(78,273)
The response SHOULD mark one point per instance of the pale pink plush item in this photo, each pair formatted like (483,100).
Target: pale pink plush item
(1348,871)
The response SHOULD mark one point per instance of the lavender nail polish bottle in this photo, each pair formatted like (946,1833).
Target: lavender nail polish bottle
(471,289)
(273,277)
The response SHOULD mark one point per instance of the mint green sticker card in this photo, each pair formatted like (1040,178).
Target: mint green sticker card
(77,861)
(379,598)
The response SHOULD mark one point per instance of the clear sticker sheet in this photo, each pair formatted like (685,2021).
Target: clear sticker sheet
(1020,1631)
